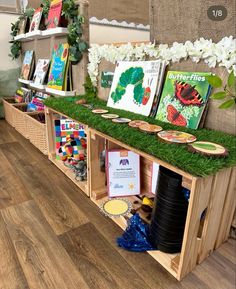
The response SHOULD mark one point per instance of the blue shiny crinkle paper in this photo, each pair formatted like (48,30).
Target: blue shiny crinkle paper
(136,236)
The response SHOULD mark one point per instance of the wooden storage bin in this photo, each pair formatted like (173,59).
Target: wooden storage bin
(36,131)
(19,118)
(51,116)
(210,194)
(9,105)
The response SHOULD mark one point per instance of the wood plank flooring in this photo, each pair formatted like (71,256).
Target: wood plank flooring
(53,237)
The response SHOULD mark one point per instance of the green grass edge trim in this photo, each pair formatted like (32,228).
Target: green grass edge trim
(174,154)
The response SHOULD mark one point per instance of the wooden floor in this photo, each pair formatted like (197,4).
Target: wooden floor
(53,237)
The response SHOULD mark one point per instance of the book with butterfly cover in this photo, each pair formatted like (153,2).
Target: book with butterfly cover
(54,14)
(41,71)
(59,73)
(28,65)
(35,22)
(184,98)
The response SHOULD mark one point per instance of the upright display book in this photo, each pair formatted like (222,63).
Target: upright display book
(22,26)
(59,70)
(28,64)
(68,129)
(37,102)
(134,86)
(35,22)
(54,14)
(41,71)
(184,98)
(123,173)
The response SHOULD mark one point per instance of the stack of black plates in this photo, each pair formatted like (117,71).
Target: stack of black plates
(169,213)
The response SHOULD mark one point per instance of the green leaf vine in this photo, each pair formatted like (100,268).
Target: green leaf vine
(227,92)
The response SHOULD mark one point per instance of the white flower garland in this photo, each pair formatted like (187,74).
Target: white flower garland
(222,53)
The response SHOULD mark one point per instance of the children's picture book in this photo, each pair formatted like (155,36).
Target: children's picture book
(123,173)
(54,14)
(28,64)
(22,26)
(58,73)
(155,173)
(19,96)
(184,98)
(106,79)
(134,86)
(67,129)
(35,22)
(41,71)
(37,102)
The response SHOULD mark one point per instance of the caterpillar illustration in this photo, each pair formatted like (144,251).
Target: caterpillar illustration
(133,76)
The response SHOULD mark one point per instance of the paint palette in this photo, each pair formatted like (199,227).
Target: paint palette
(150,128)
(137,123)
(110,115)
(116,207)
(174,136)
(121,120)
(208,148)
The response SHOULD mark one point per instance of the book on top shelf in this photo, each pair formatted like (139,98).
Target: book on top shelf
(22,26)
(35,22)
(41,71)
(54,14)
(184,98)
(123,173)
(60,73)
(135,85)
(28,65)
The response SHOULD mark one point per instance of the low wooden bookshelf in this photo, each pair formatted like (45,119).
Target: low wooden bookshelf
(213,195)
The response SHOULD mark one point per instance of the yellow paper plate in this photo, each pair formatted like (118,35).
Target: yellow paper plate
(116,207)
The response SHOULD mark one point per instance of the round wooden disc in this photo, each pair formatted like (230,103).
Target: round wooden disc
(121,120)
(208,148)
(137,123)
(116,207)
(174,136)
(99,111)
(110,115)
(150,128)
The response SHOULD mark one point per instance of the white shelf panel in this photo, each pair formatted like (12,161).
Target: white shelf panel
(19,37)
(54,32)
(33,35)
(59,93)
(38,86)
(24,81)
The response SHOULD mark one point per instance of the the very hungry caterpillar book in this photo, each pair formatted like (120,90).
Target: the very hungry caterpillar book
(184,98)
(59,67)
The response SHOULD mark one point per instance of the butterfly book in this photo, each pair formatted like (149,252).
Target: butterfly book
(54,14)
(59,74)
(123,173)
(134,86)
(35,22)
(28,65)
(184,98)
(41,71)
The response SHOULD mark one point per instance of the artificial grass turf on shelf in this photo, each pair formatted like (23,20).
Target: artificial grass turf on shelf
(174,154)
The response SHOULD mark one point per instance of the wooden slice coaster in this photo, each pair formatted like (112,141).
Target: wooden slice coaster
(137,123)
(99,111)
(208,149)
(150,128)
(110,115)
(121,120)
(116,207)
(174,136)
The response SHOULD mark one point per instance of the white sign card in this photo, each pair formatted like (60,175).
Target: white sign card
(155,172)
(134,86)
(123,173)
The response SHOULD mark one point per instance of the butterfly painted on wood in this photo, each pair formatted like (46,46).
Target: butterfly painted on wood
(175,117)
(187,94)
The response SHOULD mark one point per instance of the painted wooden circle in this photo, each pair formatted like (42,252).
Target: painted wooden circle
(116,207)
(110,115)
(99,111)
(137,123)
(174,136)
(121,120)
(150,128)
(208,148)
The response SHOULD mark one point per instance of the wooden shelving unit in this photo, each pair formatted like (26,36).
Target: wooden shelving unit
(212,194)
